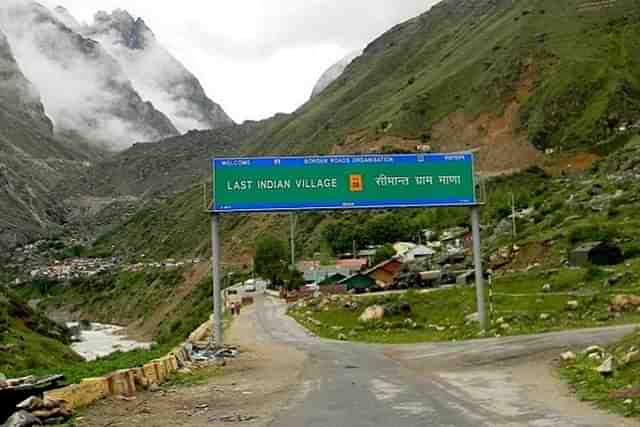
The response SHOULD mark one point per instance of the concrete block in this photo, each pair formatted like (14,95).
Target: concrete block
(76,396)
(161,374)
(150,373)
(121,383)
(140,380)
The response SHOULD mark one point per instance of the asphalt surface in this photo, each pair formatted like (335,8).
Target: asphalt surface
(492,383)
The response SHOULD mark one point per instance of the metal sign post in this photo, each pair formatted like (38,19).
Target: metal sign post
(477,261)
(315,183)
(216,337)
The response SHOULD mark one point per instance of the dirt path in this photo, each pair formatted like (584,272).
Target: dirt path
(254,386)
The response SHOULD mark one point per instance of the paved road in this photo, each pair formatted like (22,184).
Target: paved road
(488,383)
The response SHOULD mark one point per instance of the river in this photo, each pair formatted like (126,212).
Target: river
(102,340)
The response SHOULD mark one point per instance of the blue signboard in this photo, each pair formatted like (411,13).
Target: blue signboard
(342,182)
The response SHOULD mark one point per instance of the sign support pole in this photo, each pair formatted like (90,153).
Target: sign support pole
(477,261)
(216,330)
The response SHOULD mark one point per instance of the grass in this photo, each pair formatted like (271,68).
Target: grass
(75,369)
(590,386)
(520,307)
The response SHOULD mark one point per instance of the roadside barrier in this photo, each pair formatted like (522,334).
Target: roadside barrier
(125,382)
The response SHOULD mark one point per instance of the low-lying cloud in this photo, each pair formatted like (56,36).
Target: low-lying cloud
(83,89)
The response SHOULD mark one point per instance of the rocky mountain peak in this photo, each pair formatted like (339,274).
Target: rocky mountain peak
(66,18)
(131,32)
(156,73)
(17,94)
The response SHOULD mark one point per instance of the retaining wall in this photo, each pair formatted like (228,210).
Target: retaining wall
(125,382)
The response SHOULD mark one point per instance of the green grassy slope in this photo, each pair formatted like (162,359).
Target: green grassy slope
(29,339)
(471,56)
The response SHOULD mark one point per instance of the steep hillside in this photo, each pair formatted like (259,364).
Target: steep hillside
(84,90)
(156,74)
(171,165)
(28,339)
(31,160)
(506,79)
(333,73)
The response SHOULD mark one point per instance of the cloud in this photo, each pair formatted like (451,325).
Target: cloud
(259,57)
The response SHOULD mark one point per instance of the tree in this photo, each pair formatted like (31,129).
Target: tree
(294,280)
(271,259)
(384,253)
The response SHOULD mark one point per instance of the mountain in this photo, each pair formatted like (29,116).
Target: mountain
(84,90)
(64,16)
(333,73)
(156,74)
(32,161)
(506,79)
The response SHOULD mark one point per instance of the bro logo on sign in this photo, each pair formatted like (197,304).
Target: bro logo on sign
(355,184)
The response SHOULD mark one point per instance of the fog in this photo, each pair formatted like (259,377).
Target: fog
(154,72)
(83,89)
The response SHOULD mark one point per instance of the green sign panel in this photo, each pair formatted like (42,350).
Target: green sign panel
(342,182)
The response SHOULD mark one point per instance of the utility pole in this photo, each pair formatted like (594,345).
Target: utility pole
(293,241)
(513,215)
(204,195)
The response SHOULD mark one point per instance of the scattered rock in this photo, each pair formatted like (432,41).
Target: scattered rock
(372,313)
(500,320)
(545,316)
(505,326)
(625,393)
(569,356)
(337,328)
(342,337)
(623,303)
(573,305)
(631,357)
(31,404)
(594,349)
(233,419)
(22,419)
(154,388)
(608,367)
(546,288)
(472,318)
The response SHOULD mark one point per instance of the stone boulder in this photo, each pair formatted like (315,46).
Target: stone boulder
(622,303)
(372,314)
(608,367)
(22,419)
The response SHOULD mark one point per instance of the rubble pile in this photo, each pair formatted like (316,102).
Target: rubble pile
(205,353)
(15,391)
(35,411)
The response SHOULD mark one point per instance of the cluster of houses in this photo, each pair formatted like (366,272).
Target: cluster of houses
(74,268)
(87,267)
(167,264)
(360,274)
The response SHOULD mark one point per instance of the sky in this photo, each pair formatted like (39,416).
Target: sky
(256,57)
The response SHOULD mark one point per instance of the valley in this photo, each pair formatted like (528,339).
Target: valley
(106,186)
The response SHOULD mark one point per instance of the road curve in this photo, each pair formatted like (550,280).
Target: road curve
(483,383)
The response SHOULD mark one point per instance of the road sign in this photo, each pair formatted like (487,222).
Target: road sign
(342,182)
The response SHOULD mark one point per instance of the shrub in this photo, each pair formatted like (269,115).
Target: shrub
(592,233)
